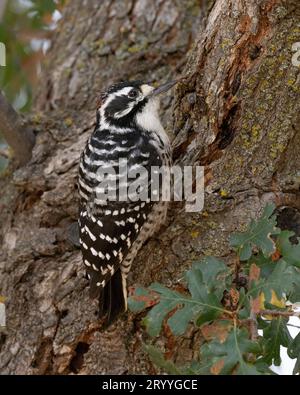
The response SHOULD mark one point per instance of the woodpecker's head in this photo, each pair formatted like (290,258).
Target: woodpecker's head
(128,104)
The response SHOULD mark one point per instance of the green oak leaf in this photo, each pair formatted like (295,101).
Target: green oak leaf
(294,352)
(282,280)
(231,355)
(294,295)
(138,301)
(275,334)
(206,281)
(265,264)
(258,234)
(212,273)
(290,252)
(159,360)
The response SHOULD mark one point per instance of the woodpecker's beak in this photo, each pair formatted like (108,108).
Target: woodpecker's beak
(163,88)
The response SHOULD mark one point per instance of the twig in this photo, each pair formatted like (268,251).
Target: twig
(20,138)
(280,313)
(253,326)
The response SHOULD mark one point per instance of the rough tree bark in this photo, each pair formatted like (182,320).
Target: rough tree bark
(19,137)
(237,113)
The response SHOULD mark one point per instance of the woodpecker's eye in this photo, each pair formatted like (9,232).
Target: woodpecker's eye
(133,93)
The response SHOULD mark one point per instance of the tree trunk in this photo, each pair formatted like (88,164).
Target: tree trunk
(236,113)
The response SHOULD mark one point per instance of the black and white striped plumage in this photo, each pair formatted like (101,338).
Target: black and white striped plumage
(111,234)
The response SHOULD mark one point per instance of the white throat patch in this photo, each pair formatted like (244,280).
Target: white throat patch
(148,118)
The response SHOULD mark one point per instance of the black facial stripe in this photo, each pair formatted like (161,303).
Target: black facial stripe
(119,103)
(127,120)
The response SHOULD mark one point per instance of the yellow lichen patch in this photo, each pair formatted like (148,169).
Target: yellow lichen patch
(68,121)
(291,81)
(255,131)
(195,234)
(37,118)
(223,193)
(226,43)
(276,149)
(137,48)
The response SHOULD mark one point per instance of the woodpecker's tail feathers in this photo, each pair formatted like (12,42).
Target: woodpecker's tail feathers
(113,299)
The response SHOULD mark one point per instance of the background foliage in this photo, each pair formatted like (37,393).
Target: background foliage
(25,29)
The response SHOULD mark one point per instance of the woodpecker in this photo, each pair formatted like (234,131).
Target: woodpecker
(112,232)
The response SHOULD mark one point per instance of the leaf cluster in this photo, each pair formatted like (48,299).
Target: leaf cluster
(244,325)
(21,23)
